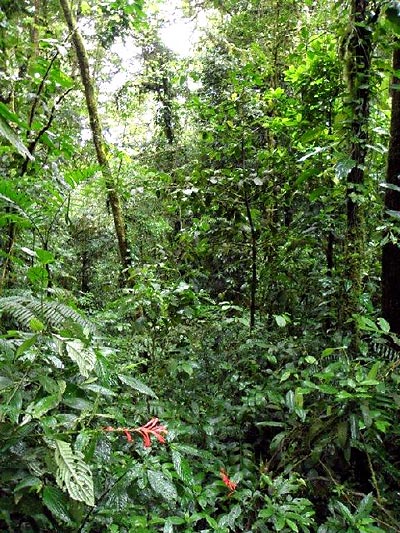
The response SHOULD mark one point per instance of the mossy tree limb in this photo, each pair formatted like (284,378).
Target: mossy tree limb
(98,139)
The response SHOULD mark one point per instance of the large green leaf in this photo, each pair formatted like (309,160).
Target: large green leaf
(162,485)
(57,503)
(7,132)
(41,407)
(73,474)
(76,350)
(137,385)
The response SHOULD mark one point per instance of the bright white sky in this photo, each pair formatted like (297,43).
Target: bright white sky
(179,34)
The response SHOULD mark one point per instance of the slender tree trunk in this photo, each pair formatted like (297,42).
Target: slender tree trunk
(391,251)
(358,65)
(98,139)
(253,280)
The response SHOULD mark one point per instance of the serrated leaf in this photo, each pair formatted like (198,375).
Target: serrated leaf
(277,441)
(327,352)
(82,355)
(345,512)
(393,213)
(212,522)
(56,502)
(182,468)
(78,403)
(176,520)
(138,385)
(292,525)
(98,389)
(310,359)
(162,485)
(73,474)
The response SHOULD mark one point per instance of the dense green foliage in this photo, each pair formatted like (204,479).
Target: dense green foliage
(234,370)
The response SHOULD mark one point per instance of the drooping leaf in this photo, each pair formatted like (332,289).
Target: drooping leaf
(137,385)
(28,343)
(29,482)
(7,132)
(73,474)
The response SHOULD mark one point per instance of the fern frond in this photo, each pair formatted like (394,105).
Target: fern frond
(23,309)
(73,474)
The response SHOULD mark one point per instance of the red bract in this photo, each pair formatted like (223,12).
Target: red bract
(228,482)
(152,428)
(127,435)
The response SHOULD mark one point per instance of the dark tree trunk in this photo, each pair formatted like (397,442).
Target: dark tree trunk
(358,55)
(391,251)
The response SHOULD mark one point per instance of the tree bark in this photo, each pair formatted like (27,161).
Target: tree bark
(358,56)
(391,251)
(98,140)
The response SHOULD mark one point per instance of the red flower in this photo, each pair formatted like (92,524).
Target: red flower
(127,435)
(152,428)
(228,482)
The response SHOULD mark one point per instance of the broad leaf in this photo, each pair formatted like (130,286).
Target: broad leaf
(182,468)
(137,385)
(73,473)
(7,132)
(38,409)
(83,356)
(162,485)
(55,500)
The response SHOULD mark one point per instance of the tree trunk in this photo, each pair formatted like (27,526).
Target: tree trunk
(358,55)
(98,140)
(391,251)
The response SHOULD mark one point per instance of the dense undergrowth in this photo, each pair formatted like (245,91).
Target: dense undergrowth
(272,430)
(190,325)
